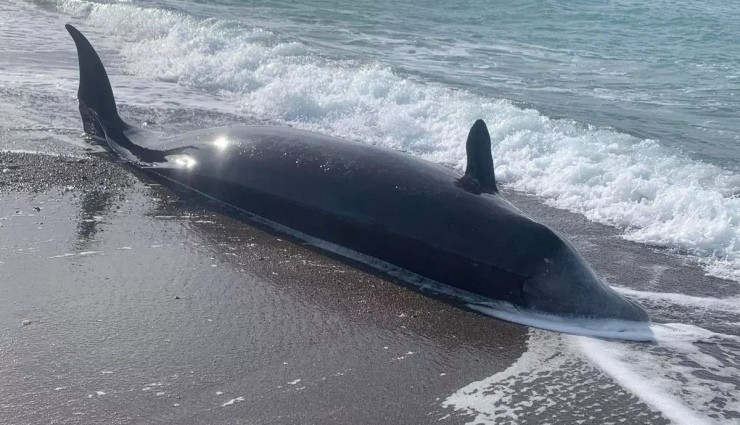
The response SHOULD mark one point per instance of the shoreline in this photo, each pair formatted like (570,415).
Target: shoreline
(132,291)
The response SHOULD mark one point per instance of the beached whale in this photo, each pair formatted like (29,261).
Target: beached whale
(386,207)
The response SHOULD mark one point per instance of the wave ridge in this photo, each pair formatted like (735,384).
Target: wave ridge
(656,195)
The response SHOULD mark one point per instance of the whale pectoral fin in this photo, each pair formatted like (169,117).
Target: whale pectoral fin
(479,176)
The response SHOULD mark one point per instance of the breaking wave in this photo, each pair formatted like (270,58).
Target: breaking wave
(656,195)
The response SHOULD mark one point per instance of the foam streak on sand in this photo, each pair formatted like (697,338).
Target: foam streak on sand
(643,386)
(657,195)
(691,375)
(549,383)
(492,399)
(232,401)
(688,376)
(727,305)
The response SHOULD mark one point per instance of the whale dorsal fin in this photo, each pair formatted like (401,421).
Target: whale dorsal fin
(479,176)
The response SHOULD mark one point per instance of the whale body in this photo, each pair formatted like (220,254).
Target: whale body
(406,212)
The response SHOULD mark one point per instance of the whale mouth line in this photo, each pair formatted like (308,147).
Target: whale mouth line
(619,329)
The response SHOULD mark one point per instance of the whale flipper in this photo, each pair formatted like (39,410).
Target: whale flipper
(479,176)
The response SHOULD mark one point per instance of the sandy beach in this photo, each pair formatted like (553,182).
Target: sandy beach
(123,302)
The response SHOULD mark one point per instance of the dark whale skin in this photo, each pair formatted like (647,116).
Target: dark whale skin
(394,207)
(391,206)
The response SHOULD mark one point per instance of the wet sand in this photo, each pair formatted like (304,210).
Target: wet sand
(124,302)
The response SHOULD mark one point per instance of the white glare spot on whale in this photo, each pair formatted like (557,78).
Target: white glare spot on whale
(221,142)
(184,161)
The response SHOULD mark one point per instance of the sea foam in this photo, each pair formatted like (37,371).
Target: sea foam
(690,376)
(655,194)
(687,376)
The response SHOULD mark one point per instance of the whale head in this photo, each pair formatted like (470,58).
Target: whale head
(562,282)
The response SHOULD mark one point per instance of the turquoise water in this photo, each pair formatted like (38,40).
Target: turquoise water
(664,70)
(621,111)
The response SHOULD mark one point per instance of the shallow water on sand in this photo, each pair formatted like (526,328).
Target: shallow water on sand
(121,295)
(118,290)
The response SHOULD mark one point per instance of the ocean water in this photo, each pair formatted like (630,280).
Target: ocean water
(624,112)
(621,112)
